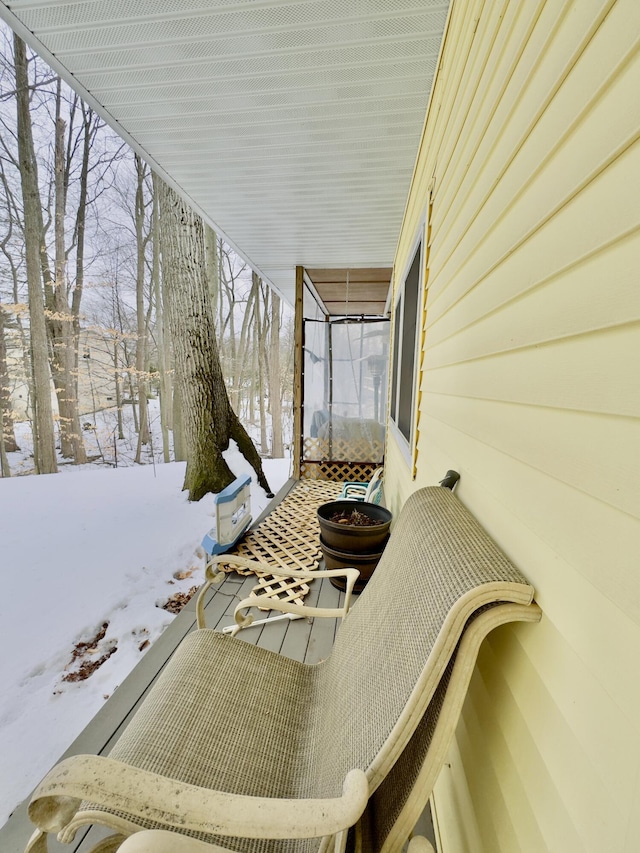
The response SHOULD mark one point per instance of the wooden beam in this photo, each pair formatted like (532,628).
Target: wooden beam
(357,307)
(368,274)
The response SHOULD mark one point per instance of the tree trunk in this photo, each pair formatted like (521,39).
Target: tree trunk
(212,265)
(239,365)
(209,421)
(43,433)
(116,371)
(275,393)
(143,434)
(163,367)
(179,445)
(260,352)
(7,431)
(60,319)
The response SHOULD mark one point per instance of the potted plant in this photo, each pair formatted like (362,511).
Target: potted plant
(353,534)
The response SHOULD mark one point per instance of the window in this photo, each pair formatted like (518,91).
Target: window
(404,349)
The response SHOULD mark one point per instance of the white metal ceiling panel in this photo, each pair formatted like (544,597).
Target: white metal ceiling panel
(292,125)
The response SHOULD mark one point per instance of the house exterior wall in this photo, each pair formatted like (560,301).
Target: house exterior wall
(529,387)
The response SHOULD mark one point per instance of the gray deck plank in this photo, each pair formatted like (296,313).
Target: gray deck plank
(322,634)
(296,639)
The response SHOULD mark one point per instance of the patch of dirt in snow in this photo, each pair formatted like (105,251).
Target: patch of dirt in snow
(179,600)
(84,651)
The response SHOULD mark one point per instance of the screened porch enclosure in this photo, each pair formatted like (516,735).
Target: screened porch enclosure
(344,380)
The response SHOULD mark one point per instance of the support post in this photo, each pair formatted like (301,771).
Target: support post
(298,374)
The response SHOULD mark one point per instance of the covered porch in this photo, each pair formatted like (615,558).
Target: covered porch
(304,640)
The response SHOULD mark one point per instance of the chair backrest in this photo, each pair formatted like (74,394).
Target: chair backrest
(373,493)
(438,568)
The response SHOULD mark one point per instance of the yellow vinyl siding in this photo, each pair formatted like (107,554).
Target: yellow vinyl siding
(531,389)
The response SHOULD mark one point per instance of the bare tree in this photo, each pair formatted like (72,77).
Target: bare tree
(258,385)
(141,346)
(60,320)
(275,380)
(8,443)
(209,421)
(164,373)
(43,432)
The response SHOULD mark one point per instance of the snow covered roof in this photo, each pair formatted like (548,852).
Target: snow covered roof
(291,125)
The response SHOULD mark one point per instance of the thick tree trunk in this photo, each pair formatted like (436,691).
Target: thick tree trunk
(212,266)
(208,419)
(60,319)
(275,393)
(260,376)
(179,446)
(163,371)
(43,433)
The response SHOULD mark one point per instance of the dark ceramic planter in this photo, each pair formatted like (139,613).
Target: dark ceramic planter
(352,538)
(365,563)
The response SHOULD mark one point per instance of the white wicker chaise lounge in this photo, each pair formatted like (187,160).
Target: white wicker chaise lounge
(245,750)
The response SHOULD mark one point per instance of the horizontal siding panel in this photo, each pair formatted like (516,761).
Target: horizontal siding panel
(572,799)
(566,554)
(456,825)
(509,782)
(556,442)
(601,213)
(546,108)
(587,296)
(517,39)
(394,460)
(633,828)
(456,40)
(608,737)
(472,64)
(590,373)
(483,752)
(600,541)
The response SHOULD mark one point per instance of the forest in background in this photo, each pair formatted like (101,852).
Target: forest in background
(83,292)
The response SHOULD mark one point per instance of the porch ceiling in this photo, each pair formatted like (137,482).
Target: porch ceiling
(291,125)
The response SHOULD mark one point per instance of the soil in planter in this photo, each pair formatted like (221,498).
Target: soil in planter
(354,517)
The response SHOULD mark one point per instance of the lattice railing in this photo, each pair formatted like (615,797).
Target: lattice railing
(348,450)
(288,537)
(358,472)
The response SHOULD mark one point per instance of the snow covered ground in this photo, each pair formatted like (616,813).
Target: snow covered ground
(77,550)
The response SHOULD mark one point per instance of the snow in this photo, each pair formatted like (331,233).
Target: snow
(79,549)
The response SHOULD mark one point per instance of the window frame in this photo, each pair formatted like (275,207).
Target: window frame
(399,352)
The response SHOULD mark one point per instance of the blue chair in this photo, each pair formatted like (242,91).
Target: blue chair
(370,492)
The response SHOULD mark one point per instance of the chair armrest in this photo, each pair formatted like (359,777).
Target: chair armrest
(213,577)
(265,602)
(113,785)
(356,490)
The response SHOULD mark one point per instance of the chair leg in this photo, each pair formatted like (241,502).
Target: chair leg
(37,843)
